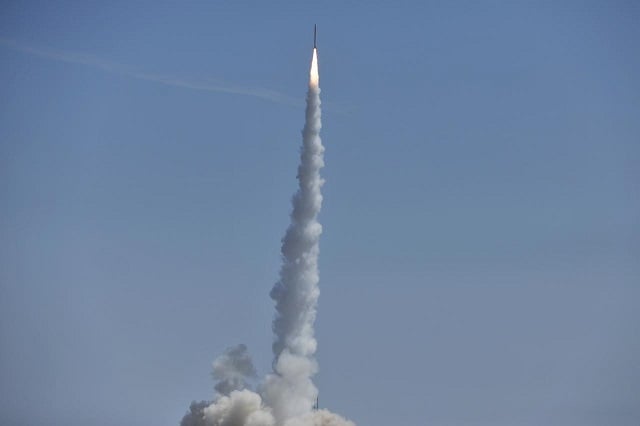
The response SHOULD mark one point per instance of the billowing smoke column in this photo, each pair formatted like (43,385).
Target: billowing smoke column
(286,396)
(290,391)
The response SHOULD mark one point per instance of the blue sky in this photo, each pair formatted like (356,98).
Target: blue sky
(479,262)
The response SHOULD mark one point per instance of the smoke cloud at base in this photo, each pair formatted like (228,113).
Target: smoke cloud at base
(286,396)
(195,415)
(232,370)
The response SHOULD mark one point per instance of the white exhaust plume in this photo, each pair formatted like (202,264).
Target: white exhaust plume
(289,390)
(287,395)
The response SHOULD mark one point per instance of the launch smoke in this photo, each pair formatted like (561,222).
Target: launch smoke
(232,369)
(290,391)
(286,396)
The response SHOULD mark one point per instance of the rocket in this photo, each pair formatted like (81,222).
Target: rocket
(315,33)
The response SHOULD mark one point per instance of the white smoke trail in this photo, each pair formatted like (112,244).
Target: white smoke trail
(287,395)
(290,391)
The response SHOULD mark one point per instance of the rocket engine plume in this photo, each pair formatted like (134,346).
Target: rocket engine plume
(286,396)
(314,76)
(289,390)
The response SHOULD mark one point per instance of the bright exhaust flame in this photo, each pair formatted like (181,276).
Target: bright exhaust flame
(314,77)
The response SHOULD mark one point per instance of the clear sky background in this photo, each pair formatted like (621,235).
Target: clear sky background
(480,256)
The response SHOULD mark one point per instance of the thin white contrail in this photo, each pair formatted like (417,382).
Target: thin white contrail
(128,71)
